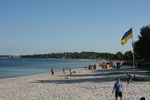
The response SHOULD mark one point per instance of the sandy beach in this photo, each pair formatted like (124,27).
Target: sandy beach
(82,85)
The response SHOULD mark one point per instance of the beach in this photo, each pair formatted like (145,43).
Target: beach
(84,84)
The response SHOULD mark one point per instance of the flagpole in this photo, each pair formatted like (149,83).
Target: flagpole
(133,54)
(122,54)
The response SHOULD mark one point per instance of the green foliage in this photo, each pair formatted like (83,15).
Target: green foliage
(128,55)
(144,64)
(74,55)
(118,56)
(142,46)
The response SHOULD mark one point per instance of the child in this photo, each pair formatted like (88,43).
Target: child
(52,71)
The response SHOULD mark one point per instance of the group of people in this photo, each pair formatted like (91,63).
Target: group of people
(64,71)
(119,88)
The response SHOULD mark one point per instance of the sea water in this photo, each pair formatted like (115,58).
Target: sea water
(14,67)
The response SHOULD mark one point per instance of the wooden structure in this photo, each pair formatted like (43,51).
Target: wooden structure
(106,65)
(116,64)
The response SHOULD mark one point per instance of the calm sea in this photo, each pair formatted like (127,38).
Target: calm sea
(27,66)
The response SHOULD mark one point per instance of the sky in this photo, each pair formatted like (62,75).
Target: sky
(46,26)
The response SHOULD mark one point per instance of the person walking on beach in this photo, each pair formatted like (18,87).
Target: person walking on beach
(118,89)
(64,70)
(130,79)
(70,72)
(52,71)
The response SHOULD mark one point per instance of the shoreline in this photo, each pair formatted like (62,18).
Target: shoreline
(41,73)
(45,63)
(82,85)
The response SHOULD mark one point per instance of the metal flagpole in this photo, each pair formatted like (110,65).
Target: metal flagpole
(122,54)
(133,55)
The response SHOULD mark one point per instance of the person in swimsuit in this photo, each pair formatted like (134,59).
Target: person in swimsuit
(52,71)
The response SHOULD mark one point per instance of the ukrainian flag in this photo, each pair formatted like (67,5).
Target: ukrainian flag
(126,36)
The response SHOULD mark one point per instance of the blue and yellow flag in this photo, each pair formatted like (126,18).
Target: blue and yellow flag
(126,36)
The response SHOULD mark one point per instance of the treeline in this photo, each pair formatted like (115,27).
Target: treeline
(83,55)
(142,47)
(72,55)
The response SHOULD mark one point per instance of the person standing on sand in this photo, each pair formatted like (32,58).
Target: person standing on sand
(118,89)
(52,71)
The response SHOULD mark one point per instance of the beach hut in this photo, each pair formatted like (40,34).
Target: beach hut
(94,66)
(90,67)
(118,64)
(106,65)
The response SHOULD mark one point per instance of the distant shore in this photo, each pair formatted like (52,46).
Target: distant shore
(5,57)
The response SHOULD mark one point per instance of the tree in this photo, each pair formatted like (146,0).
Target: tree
(142,46)
(119,55)
(128,55)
